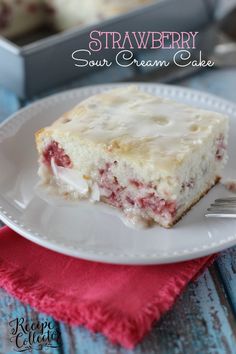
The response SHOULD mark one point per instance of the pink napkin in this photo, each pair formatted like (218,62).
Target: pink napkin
(122,302)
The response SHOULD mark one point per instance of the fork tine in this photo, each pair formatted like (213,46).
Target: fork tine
(220,215)
(225,200)
(221,211)
(229,202)
(222,208)
(224,204)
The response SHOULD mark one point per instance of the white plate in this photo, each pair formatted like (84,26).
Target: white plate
(87,231)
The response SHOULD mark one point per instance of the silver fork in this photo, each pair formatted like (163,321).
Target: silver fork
(222,208)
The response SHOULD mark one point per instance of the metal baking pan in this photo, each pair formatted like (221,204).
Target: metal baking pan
(41,65)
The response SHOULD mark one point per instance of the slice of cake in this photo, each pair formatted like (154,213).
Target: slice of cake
(65,14)
(151,157)
(20,17)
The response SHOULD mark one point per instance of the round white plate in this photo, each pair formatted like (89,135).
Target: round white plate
(89,231)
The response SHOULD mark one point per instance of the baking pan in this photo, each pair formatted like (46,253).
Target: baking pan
(43,64)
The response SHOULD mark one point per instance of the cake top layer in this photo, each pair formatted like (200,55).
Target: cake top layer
(145,127)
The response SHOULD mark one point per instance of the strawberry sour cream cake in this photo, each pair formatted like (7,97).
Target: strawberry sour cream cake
(148,156)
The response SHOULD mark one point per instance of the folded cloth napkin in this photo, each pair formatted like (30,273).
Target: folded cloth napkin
(120,301)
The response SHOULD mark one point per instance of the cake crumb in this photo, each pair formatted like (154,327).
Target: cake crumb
(230,184)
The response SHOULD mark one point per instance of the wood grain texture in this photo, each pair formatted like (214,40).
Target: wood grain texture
(227,268)
(198,323)
(10,308)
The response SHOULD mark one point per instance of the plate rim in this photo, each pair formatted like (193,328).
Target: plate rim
(226,106)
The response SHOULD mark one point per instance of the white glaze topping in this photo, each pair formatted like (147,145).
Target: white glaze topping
(131,122)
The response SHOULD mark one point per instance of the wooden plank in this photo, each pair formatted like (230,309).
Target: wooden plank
(10,309)
(197,324)
(227,269)
(9,104)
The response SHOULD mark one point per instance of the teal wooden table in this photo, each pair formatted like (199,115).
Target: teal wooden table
(203,319)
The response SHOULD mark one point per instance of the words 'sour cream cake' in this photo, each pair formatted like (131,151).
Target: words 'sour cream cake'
(151,157)
(20,16)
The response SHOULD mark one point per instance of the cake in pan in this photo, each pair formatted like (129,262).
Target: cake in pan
(22,16)
(85,12)
(151,157)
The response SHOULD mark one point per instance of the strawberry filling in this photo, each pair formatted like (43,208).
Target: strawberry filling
(114,193)
(120,197)
(136,183)
(157,205)
(53,150)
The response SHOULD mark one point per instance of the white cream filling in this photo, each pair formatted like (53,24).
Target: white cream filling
(95,193)
(70,177)
(76,182)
